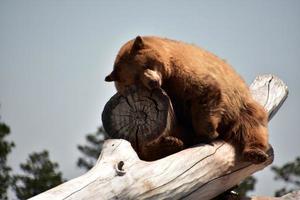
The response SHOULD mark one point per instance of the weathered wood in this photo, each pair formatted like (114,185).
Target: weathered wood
(139,116)
(276,95)
(200,172)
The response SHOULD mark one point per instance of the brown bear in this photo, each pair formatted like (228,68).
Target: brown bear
(210,99)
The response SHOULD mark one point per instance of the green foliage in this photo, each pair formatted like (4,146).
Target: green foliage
(5,149)
(40,174)
(92,149)
(246,186)
(289,173)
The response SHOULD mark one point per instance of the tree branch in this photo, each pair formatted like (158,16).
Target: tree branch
(200,172)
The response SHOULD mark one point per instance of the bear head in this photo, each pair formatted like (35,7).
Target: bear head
(139,62)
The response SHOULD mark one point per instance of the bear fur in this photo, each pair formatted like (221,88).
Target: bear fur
(209,98)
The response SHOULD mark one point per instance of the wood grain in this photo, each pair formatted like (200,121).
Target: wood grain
(139,116)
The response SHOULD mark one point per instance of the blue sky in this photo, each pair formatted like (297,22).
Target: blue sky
(54,56)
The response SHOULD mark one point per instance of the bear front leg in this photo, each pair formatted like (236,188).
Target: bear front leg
(164,146)
(206,109)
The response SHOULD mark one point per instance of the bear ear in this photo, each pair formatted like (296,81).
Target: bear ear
(138,43)
(111,77)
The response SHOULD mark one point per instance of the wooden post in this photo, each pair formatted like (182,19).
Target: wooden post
(200,172)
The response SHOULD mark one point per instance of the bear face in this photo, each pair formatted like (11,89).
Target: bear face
(141,65)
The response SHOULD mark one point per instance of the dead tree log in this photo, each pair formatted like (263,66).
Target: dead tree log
(143,118)
(200,172)
(139,116)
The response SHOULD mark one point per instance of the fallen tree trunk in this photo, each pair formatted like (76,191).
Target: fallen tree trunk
(200,172)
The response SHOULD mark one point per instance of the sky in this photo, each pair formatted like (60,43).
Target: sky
(54,56)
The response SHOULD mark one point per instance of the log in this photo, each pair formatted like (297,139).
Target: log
(143,118)
(200,172)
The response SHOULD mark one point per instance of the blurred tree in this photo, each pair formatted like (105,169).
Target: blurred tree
(5,149)
(289,173)
(240,191)
(92,149)
(40,174)
(246,186)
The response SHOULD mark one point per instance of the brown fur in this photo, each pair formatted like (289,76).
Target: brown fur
(210,99)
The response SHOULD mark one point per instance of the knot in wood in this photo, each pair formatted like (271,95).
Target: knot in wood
(119,168)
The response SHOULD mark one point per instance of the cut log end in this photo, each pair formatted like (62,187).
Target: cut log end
(139,116)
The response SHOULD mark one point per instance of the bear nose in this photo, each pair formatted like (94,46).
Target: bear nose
(107,79)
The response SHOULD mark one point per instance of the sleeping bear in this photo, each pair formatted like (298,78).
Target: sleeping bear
(210,99)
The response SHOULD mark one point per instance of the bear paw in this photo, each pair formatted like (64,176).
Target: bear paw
(255,156)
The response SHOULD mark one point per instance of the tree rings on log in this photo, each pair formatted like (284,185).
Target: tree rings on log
(139,116)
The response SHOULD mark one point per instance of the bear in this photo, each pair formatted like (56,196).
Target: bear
(210,99)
